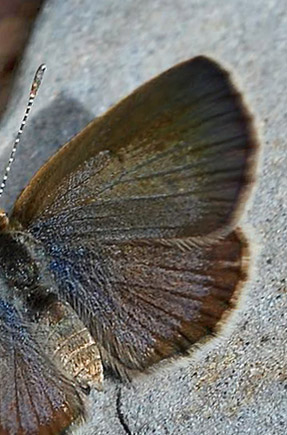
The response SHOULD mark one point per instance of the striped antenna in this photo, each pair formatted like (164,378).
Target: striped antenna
(33,92)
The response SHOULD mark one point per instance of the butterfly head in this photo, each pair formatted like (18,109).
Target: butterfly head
(4,220)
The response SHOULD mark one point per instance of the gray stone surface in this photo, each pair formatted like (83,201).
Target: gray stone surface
(97,52)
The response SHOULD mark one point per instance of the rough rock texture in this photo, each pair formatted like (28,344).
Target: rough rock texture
(96,53)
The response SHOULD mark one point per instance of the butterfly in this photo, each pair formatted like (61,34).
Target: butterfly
(124,249)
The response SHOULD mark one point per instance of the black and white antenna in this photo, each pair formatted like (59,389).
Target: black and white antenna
(33,92)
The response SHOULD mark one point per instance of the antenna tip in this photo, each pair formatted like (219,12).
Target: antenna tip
(37,80)
(40,71)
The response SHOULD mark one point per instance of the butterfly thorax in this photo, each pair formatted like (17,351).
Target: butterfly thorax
(22,269)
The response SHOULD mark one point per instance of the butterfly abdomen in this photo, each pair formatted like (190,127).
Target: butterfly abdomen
(69,342)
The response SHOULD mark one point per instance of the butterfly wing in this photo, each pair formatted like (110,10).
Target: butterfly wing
(136,215)
(35,397)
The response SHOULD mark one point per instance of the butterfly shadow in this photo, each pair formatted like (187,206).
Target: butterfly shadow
(43,136)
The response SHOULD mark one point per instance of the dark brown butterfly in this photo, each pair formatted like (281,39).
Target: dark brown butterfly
(124,248)
(16,22)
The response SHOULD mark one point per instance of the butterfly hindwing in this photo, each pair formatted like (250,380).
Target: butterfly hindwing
(35,397)
(150,300)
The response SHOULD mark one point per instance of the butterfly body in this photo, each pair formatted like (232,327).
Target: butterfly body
(124,249)
(31,318)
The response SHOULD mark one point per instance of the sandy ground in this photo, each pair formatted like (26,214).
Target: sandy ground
(96,53)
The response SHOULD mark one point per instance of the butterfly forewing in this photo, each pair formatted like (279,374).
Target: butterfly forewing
(182,139)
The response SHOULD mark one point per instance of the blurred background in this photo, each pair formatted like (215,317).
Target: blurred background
(98,52)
